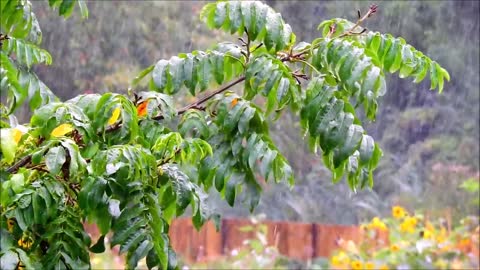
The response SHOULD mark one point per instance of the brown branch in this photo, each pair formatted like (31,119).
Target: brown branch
(199,102)
(27,159)
(372,10)
(22,162)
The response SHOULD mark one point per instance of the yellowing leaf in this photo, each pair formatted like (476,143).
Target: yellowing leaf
(17,135)
(115,115)
(142,108)
(234,102)
(62,130)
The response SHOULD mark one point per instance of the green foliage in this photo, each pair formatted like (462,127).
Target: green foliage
(131,163)
(196,68)
(472,186)
(259,21)
(330,123)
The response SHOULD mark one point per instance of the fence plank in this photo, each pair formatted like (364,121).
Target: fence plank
(300,240)
(296,240)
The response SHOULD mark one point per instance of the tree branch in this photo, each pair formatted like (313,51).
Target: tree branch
(372,10)
(204,99)
(22,162)
(26,160)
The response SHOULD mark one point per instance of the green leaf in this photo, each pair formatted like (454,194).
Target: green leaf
(273,79)
(330,124)
(140,252)
(83,8)
(8,145)
(394,54)
(263,24)
(133,240)
(27,53)
(54,159)
(130,228)
(27,260)
(9,260)
(6,239)
(159,74)
(142,74)
(66,8)
(235,16)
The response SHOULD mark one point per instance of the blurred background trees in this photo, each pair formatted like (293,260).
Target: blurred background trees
(430,141)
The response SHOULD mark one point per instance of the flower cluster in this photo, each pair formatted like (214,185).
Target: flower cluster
(411,241)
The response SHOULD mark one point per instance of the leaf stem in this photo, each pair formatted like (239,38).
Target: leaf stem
(204,99)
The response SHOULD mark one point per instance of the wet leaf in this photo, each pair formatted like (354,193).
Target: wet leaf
(62,130)
(115,116)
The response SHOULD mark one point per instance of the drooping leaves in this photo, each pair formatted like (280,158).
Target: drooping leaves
(196,70)
(241,141)
(21,85)
(273,79)
(261,22)
(26,53)
(19,21)
(332,125)
(395,55)
(352,70)
(66,7)
(171,147)
(127,165)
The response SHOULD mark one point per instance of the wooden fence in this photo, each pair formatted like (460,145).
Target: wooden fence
(295,240)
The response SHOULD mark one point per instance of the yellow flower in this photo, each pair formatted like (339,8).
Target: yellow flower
(356,265)
(412,221)
(377,224)
(442,236)
(383,267)
(369,265)
(339,260)
(398,212)
(408,225)
(429,226)
(62,130)
(25,242)
(394,248)
(115,115)
(427,234)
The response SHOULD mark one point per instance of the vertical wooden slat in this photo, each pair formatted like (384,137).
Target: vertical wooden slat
(282,237)
(314,240)
(234,238)
(328,235)
(299,240)
(213,241)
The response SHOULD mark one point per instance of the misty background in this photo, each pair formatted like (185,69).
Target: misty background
(429,140)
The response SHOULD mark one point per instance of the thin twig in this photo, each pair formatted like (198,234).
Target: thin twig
(371,11)
(22,162)
(197,103)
